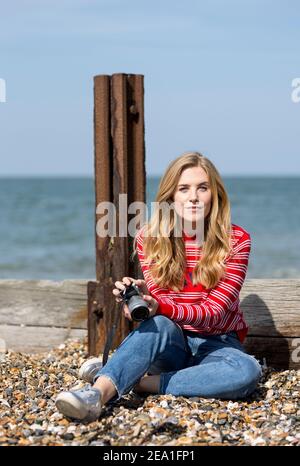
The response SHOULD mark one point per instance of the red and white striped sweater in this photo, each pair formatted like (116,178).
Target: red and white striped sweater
(210,311)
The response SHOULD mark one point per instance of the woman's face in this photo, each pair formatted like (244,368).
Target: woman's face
(192,198)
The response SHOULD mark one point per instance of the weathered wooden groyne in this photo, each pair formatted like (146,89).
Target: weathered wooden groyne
(36,315)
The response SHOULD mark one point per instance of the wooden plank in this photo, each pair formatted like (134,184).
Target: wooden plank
(277,352)
(95,314)
(103,166)
(136,162)
(129,176)
(272,307)
(119,172)
(120,130)
(44,303)
(37,339)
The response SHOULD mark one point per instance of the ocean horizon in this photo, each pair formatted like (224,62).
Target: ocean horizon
(47,224)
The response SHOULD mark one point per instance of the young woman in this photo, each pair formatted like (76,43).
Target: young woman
(192,343)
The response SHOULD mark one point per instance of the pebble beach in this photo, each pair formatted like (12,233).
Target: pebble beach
(30,383)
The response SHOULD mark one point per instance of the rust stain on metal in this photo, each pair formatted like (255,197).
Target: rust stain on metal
(79,317)
(119,150)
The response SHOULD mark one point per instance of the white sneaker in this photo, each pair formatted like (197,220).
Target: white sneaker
(89,369)
(83,404)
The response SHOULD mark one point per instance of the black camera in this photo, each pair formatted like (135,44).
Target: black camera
(138,308)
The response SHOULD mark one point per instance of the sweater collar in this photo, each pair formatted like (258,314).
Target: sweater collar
(187,237)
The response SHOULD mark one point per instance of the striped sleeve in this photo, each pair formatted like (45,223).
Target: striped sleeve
(220,300)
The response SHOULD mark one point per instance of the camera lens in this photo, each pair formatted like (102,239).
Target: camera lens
(140,313)
(138,308)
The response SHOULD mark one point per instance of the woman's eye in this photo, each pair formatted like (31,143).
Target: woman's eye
(202,188)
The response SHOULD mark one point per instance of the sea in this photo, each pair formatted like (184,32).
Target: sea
(47,225)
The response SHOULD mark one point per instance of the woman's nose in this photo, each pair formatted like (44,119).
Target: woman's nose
(194,197)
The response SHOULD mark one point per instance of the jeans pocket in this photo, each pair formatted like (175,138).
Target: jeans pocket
(196,345)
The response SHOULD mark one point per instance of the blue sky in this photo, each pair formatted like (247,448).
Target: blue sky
(217,78)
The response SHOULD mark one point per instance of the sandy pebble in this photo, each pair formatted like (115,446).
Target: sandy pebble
(30,383)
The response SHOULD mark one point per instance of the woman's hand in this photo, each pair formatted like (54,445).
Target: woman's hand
(152,304)
(141,284)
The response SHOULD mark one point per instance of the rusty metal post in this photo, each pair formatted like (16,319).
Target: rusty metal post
(119,169)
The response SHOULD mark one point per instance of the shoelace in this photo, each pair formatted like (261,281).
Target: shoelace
(88,388)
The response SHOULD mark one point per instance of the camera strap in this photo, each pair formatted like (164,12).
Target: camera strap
(110,337)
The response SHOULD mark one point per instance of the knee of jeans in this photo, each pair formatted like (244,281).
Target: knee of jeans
(252,370)
(161,322)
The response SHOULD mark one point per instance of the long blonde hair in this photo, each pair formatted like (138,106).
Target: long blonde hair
(168,252)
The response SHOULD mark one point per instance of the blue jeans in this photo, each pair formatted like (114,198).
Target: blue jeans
(189,364)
